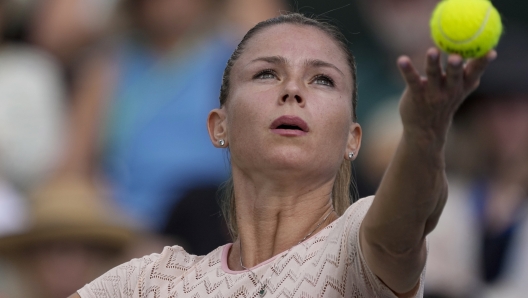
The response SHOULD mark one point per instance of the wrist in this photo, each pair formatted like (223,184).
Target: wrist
(426,142)
(427,136)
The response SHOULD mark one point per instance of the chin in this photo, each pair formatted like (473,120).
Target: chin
(290,159)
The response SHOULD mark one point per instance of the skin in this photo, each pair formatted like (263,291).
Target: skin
(393,232)
(283,184)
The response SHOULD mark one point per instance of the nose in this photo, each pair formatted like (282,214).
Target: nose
(293,93)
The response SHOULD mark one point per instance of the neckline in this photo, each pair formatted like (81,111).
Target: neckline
(227,248)
(225,253)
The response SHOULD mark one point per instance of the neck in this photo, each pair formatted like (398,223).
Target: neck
(273,216)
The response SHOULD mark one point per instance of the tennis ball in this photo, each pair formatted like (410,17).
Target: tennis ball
(469,28)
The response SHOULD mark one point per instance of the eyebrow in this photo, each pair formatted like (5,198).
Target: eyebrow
(321,63)
(271,59)
(309,62)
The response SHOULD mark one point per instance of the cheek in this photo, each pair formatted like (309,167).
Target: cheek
(246,121)
(335,119)
(243,119)
(331,137)
(245,132)
(248,109)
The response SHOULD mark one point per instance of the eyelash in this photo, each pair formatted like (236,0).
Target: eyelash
(317,77)
(264,72)
(324,77)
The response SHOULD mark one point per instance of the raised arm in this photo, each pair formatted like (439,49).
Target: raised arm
(413,191)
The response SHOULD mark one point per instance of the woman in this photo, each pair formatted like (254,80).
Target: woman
(287,117)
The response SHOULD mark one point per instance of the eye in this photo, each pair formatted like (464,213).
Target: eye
(323,80)
(265,74)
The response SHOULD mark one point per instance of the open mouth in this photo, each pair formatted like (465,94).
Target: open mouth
(289,125)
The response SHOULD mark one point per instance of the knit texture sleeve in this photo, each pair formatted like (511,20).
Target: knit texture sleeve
(140,277)
(121,281)
(363,277)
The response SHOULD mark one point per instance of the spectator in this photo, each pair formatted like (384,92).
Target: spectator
(138,121)
(480,246)
(31,111)
(12,220)
(31,126)
(65,28)
(71,236)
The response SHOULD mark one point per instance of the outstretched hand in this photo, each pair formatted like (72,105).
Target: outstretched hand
(428,103)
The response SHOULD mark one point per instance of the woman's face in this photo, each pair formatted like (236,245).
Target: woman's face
(289,104)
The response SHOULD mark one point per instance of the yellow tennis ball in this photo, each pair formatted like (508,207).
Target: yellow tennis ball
(469,28)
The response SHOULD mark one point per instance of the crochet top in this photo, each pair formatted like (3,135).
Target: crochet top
(328,264)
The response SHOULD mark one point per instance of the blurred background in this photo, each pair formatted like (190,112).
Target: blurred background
(104,153)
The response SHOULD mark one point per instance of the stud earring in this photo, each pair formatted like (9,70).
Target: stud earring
(221,142)
(350,155)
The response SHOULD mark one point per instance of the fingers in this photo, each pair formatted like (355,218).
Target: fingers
(433,70)
(475,68)
(454,72)
(409,73)
(457,76)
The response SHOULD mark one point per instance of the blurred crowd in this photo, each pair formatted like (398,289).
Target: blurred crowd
(105,156)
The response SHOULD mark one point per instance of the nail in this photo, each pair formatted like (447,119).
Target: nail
(457,61)
(492,56)
(433,56)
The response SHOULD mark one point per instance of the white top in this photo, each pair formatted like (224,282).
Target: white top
(32,114)
(328,264)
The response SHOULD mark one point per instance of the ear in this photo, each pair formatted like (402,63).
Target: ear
(354,141)
(217,127)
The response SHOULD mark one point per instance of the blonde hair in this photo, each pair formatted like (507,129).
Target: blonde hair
(341,198)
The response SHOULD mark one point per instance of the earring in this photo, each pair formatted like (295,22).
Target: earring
(350,155)
(221,142)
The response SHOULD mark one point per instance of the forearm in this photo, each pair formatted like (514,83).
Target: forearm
(407,206)
(411,196)
(413,191)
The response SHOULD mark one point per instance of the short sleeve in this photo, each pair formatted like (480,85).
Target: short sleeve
(139,277)
(121,281)
(362,277)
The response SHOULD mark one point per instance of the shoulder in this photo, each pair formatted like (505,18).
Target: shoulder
(357,211)
(361,275)
(348,225)
(353,217)
(154,270)
(362,203)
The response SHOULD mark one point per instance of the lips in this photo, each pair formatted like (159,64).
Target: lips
(289,126)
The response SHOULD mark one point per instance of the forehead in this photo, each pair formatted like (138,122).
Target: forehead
(296,43)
